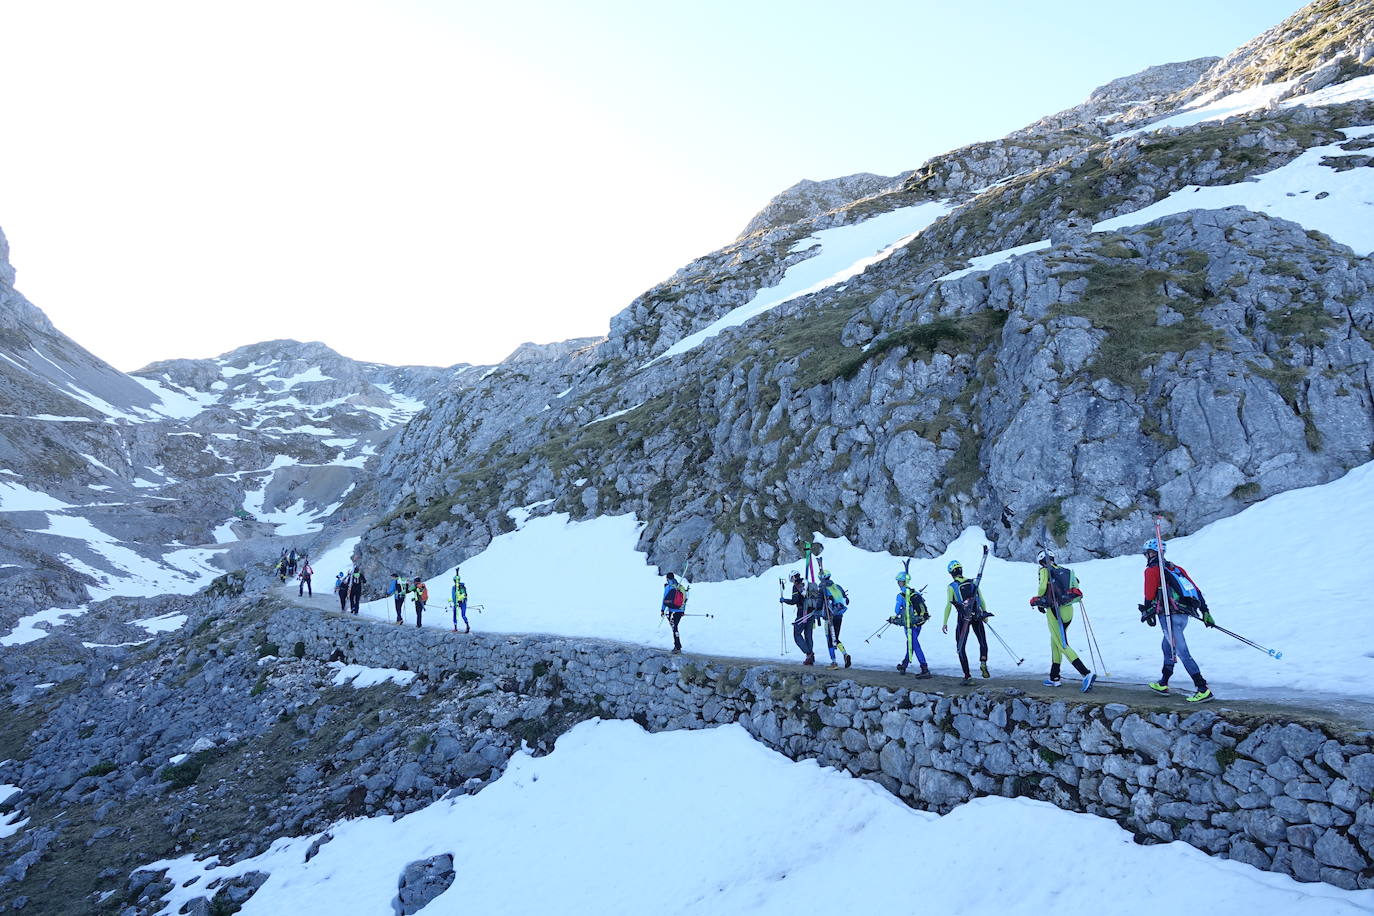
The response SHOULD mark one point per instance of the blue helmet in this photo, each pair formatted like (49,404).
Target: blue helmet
(825,574)
(903,578)
(953,565)
(1154,545)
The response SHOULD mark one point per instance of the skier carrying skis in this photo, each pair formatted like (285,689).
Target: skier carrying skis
(1175,597)
(398,588)
(341,588)
(307,573)
(459,595)
(836,603)
(1058,593)
(965,595)
(673,607)
(356,581)
(910,614)
(421,597)
(803,625)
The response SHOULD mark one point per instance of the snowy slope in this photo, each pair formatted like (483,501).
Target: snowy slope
(615,594)
(840,253)
(617,820)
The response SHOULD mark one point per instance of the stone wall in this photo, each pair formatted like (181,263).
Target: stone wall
(1281,796)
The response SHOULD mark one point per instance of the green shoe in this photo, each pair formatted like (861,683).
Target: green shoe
(1202,696)
(1160,688)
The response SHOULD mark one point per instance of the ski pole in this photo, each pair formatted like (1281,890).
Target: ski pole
(782,622)
(878,633)
(1093,645)
(698,615)
(1009,649)
(1166,604)
(1272,653)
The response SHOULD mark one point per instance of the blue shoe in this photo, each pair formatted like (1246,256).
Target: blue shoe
(1088,682)
(1052,681)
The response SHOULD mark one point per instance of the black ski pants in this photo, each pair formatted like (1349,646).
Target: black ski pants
(343,600)
(400,603)
(961,641)
(355,596)
(675,618)
(305,587)
(419,610)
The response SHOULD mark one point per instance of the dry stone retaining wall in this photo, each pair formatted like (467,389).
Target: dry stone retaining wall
(1281,796)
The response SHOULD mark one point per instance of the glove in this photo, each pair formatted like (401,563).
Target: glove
(1037,601)
(1147,613)
(895,620)
(1207,620)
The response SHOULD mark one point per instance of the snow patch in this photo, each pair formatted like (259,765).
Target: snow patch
(26,629)
(362,676)
(16,497)
(163,623)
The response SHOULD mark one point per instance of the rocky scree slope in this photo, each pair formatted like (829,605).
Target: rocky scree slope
(212,740)
(1186,367)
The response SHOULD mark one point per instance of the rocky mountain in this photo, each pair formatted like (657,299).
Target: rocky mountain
(160,480)
(1052,347)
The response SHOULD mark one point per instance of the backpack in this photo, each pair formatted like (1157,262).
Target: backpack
(422,593)
(839,598)
(916,606)
(966,596)
(677,598)
(1060,578)
(815,598)
(1185,592)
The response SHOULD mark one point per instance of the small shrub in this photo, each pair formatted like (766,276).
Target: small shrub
(421,742)
(268,648)
(1226,756)
(298,649)
(1246,492)
(540,668)
(467,675)
(183,774)
(1050,757)
(103,768)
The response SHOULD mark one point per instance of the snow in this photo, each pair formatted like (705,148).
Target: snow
(16,497)
(224,534)
(1210,108)
(336,559)
(841,253)
(163,623)
(174,401)
(362,676)
(1289,192)
(988,261)
(176,572)
(511,577)
(96,462)
(115,645)
(280,383)
(564,393)
(623,821)
(521,514)
(10,824)
(612,416)
(26,629)
(1345,212)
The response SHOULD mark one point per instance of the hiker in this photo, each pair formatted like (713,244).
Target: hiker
(1055,599)
(674,606)
(398,588)
(910,614)
(803,626)
(291,561)
(1175,597)
(280,570)
(965,595)
(421,592)
(356,581)
(341,587)
(305,575)
(459,595)
(837,602)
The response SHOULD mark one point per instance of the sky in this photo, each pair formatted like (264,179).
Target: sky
(438,182)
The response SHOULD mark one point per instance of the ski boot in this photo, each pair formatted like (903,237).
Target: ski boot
(847,660)
(924,673)
(1159,688)
(901,667)
(983,670)
(810,659)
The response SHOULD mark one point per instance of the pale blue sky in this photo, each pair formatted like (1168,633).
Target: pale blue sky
(436,182)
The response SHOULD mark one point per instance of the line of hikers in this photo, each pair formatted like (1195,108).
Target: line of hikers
(1171,599)
(297,566)
(400,588)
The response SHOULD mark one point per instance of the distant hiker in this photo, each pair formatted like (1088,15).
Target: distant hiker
(836,603)
(341,587)
(356,581)
(459,595)
(421,592)
(281,570)
(1055,599)
(965,595)
(1172,600)
(674,606)
(305,575)
(804,625)
(398,588)
(291,560)
(910,614)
